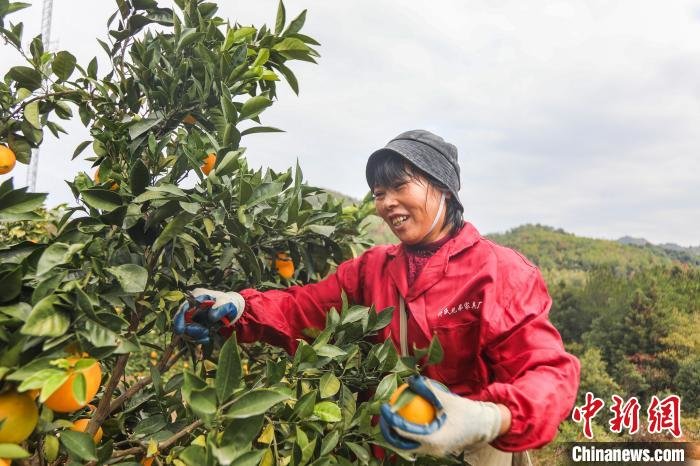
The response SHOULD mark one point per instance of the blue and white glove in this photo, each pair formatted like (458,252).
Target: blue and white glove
(213,307)
(460,425)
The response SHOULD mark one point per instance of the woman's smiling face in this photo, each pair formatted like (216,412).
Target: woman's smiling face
(409,207)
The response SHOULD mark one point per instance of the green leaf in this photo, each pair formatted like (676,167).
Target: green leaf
(52,383)
(51,447)
(386,386)
(138,177)
(102,199)
(261,129)
(240,432)
(63,65)
(189,36)
(12,451)
(291,44)
(46,319)
(251,458)
(39,378)
(289,77)
(229,163)
(328,351)
(150,425)
(280,19)
(383,319)
(18,311)
(11,280)
(255,402)
(31,114)
(261,59)
(81,147)
(22,150)
(296,24)
(203,401)
(254,106)
(131,277)
(141,126)
(79,444)
(265,191)
(323,230)
(79,388)
(172,229)
(229,370)
(26,77)
(305,406)
(329,442)
(435,352)
(57,254)
(19,201)
(329,385)
(327,411)
(359,451)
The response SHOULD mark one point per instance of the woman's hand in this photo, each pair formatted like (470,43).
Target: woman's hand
(212,307)
(461,424)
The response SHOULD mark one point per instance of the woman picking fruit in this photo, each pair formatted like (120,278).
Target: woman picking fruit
(505,382)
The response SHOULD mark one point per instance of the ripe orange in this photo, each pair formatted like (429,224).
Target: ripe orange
(189,119)
(147,461)
(63,401)
(7,160)
(4,462)
(18,416)
(284,265)
(209,162)
(81,426)
(418,410)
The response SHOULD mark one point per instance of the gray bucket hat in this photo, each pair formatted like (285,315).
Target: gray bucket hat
(427,151)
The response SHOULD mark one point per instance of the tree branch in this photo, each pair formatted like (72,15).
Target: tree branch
(163,365)
(103,411)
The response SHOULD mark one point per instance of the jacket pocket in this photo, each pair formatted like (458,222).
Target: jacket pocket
(460,364)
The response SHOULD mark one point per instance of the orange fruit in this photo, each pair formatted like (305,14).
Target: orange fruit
(189,119)
(63,401)
(418,410)
(96,177)
(18,416)
(154,355)
(284,265)
(81,426)
(147,461)
(4,462)
(7,160)
(209,162)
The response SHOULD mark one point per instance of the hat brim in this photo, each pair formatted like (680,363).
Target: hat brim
(410,153)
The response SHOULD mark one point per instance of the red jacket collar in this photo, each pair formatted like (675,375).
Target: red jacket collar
(435,269)
(466,238)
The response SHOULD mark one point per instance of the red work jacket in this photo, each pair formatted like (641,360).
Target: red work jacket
(487,304)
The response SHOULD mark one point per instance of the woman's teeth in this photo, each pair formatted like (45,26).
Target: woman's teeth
(396,221)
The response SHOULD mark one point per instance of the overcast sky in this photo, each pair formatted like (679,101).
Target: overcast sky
(582,115)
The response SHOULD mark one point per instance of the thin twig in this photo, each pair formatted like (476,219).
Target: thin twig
(163,364)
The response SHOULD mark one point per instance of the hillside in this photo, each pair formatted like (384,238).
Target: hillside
(551,248)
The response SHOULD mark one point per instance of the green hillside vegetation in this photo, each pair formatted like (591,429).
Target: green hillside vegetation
(630,312)
(551,248)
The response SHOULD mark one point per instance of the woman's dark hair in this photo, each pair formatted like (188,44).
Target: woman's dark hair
(389,169)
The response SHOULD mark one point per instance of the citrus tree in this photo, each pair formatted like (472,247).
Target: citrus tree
(81,305)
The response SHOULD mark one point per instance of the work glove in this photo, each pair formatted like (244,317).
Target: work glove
(460,424)
(213,309)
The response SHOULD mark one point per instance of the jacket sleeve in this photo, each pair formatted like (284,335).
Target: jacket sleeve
(278,317)
(533,375)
